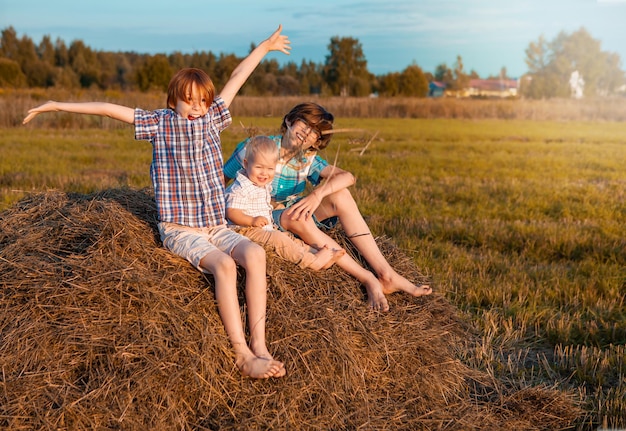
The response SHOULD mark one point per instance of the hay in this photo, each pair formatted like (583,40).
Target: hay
(102,328)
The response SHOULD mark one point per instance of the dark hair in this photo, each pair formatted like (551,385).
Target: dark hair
(315,116)
(180,86)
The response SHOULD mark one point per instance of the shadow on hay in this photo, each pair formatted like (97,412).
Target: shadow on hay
(103,328)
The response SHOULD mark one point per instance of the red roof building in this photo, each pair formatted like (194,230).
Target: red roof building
(488,88)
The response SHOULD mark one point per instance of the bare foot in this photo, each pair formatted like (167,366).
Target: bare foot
(260,368)
(261,352)
(281,372)
(326,257)
(397,283)
(322,257)
(337,254)
(375,297)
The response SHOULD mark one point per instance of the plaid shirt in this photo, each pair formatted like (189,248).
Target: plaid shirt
(291,177)
(253,200)
(187,164)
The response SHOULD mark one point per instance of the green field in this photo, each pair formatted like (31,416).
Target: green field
(519,223)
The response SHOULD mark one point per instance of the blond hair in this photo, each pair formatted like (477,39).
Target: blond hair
(261,145)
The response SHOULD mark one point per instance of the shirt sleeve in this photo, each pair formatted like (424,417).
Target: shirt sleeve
(146,124)
(317,166)
(236,197)
(220,114)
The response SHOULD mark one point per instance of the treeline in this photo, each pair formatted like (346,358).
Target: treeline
(53,64)
(25,64)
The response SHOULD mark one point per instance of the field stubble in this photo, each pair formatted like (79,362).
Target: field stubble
(520,224)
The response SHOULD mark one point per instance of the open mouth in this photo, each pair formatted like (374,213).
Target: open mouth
(191,117)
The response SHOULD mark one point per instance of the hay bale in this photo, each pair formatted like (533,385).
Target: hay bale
(102,328)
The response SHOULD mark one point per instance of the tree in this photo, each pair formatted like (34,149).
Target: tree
(266,80)
(288,82)
(310,77)
(9,44)
(413,82)
(85,63)
(38,72)
(155,74)
(389,84)
(223,69)
(61,55)
(46,51)
(612,77)
(461,79)
(503,73)
(11,74)
(551,64)
(177,61)
(345,70)
(444,75)
(537,60)
(116,70)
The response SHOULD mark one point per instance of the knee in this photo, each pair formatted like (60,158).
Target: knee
(298,227)
(343,194)
(341,199)
(252,255)
(292,225)
(220,265)
(257,253)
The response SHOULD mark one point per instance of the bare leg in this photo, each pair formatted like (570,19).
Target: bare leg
(251,257)
(310,234)
(342,204)
(325,257)
(224,271)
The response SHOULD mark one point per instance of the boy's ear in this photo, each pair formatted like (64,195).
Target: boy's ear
(245,164)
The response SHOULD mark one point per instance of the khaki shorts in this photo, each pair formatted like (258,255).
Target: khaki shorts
(194,243)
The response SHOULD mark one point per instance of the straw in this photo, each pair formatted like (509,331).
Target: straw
(102,328)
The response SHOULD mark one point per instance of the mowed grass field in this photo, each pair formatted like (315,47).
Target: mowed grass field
(520,224)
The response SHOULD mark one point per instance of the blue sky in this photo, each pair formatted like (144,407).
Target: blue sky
(487,34)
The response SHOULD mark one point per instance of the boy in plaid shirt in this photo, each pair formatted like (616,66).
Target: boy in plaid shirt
(187,176)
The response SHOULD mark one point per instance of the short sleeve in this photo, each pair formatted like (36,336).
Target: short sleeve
(317,166)
(220,114)
(146,124)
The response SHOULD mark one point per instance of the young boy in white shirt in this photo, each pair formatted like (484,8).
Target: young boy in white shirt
(249,208)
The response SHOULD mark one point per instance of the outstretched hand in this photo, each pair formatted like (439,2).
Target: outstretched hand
(276,42)
(49,106)
(279,42)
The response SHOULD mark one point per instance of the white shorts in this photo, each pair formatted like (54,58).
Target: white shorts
(194,243)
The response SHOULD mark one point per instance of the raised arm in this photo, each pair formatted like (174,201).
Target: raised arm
(276,42)
(117,112)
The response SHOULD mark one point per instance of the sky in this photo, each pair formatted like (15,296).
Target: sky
(488,34)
